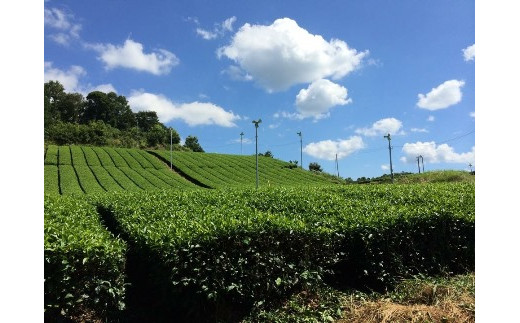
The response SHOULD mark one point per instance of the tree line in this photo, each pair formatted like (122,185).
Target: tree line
(104,119)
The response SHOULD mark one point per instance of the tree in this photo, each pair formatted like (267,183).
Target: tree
(70,106)
(193,143)
(315,167)
(109,108)
(292,164)
(146,120)
(157,135)
(53,92)
(268,154)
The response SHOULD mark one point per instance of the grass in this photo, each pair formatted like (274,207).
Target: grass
(436,177)
(421,299)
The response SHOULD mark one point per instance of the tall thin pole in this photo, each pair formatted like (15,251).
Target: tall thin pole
(256,148)
(301,149)
(337,166)
(241,134)
(171,148)
(390,150)
(422,162)
(418,157)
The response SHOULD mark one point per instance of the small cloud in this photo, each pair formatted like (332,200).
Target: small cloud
(64,23)
(237,74)
(194,114)
(469,53)
(328,149)
(218,31)
(382,127)
(245,141)
(472,114)
(274,125)
(418,130)
(288,115)
(207,35)
(441,97)
(385,167)
(433,153)
(431,118)
(70,79)
(319,97)
(131,55)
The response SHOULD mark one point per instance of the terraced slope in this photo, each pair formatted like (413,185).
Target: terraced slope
(221,170)
(82,169)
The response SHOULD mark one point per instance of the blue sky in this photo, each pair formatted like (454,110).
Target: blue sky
(344,74)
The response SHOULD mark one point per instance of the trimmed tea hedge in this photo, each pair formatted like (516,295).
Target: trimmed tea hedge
(203,251)
(84,264)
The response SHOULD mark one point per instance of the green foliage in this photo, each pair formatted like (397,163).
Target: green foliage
(91,170)
(100,119)
(267,154)
(223,171)
(83,263)
(239,248)
(192,143)
(315,167)
(51,183)
(292,164)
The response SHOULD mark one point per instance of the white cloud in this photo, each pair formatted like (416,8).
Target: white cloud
(219,29)
(441,97)
(106,88)
(431,118)
(385,167)
(207,35)
(435,154)
(245,141)
(227,25)
(69,78)
(288,115)
(472,114)
(382,127)
(131,55)
(418,130)
(328,149)
(64,23)
(237,74)
(319,98)
(283,54)
(194,114)
(469,53)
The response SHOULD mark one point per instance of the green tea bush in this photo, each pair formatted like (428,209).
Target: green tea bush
(84,264)
(204,252)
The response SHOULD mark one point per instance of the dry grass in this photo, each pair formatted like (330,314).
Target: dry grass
(418,301)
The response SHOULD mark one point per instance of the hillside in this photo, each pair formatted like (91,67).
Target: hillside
(83,169)
(221,170)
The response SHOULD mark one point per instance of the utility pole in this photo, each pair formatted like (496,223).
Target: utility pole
(241,134)
(256,149)
(470,167)
(390,150)
(337,167)
(171,149)
(418,157)
(422,162)
(301,149)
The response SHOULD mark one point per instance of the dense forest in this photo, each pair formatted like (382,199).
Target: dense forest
(104,119)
